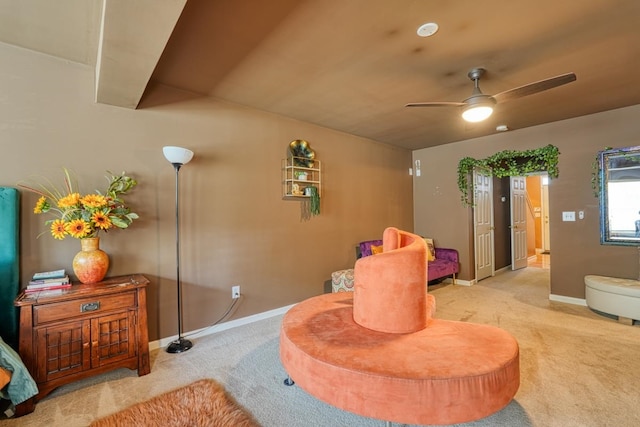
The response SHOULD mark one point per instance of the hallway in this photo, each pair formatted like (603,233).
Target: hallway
(540,261)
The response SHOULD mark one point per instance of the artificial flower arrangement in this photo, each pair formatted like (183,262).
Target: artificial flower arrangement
(84,216)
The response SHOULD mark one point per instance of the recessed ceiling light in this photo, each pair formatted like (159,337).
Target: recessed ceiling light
(428,29)
(502,128)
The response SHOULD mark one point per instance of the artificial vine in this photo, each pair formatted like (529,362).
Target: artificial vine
(311,206)
(314,199)
(507,163)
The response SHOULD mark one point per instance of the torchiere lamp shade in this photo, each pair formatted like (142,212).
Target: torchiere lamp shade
(178,155)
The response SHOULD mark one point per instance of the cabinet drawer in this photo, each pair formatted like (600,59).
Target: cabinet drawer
(82,307)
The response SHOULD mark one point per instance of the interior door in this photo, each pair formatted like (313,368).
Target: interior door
(518,222)
(483,225)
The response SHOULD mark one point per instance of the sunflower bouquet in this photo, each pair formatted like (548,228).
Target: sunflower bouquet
(84,216)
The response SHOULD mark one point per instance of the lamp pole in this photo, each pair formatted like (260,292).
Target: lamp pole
(178,157)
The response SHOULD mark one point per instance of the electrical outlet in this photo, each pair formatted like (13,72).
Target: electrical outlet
(235,292)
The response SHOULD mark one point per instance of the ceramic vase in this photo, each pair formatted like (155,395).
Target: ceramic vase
(90,264)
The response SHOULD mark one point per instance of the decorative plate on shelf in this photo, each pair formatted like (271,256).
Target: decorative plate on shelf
(302,153)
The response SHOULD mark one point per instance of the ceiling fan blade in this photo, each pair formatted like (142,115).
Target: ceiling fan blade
(435,104)
(531,88)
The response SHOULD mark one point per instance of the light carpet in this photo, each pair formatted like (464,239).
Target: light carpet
(578,368)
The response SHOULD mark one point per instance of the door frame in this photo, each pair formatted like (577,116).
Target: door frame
(545,173)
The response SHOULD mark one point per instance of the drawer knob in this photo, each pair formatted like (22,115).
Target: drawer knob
(89,306)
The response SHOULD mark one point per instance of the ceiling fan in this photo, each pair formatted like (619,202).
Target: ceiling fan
(479,106)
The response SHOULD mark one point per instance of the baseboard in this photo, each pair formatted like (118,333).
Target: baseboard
(461,282)
(568,300)
(474,281)
(163,342)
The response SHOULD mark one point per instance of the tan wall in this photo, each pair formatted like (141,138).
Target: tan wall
(575,246)
(236,229)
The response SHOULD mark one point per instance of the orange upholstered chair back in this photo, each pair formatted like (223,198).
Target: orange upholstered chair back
(390,288)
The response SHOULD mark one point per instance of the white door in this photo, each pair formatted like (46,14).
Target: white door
(483,225)
(518,222)
(546,245)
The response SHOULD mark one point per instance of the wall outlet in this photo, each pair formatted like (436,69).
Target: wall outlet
(235,292)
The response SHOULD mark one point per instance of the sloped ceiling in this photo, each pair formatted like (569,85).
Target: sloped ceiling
(348,65)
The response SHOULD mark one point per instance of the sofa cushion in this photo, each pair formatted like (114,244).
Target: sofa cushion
(5,377)
(431,249)
(365,247)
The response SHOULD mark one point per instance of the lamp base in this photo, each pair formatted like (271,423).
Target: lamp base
(180,345)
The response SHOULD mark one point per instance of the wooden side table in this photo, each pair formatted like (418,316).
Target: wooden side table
(71,334)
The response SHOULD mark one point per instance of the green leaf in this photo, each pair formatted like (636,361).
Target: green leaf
(118,222)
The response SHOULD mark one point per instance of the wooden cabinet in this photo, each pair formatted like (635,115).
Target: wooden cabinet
(74,333)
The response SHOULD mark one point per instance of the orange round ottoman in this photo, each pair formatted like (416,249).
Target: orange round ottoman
(450,372)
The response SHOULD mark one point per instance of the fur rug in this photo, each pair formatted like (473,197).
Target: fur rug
(202,403)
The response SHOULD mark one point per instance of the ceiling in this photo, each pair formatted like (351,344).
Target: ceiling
(348,65)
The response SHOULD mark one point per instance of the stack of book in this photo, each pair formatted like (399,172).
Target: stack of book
(48,280)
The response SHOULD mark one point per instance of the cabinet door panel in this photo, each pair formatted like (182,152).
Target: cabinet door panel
(113,338)
(62,350)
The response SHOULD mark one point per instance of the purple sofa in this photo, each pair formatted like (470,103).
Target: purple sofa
(445,264)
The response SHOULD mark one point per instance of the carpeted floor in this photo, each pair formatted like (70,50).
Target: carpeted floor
(578,368)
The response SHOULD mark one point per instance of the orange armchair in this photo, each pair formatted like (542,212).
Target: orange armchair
(390,289)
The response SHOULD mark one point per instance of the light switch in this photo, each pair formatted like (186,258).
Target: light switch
(568,216)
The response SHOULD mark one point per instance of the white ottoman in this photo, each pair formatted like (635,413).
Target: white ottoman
(612,295)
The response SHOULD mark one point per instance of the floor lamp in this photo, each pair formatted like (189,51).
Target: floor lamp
(178,157)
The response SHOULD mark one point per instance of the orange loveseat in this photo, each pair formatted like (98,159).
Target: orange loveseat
(379,352)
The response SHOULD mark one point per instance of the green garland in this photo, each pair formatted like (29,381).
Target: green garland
(507,163)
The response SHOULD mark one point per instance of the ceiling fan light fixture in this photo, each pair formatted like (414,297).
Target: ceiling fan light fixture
(477,113)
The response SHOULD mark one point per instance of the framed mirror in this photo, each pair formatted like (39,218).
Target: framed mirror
(620,196)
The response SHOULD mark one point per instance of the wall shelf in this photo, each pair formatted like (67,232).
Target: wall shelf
(293,180)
